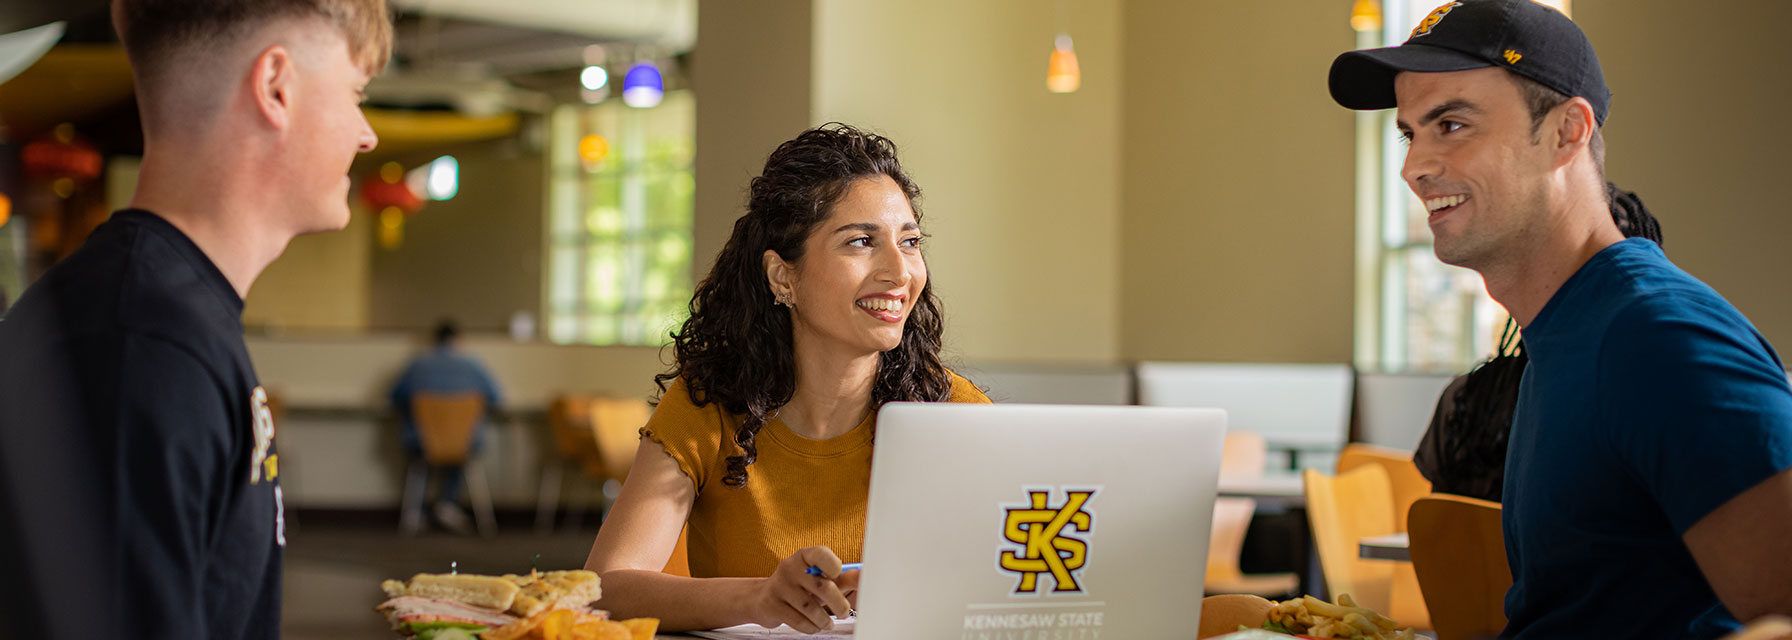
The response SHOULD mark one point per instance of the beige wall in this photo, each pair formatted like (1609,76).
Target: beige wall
(751,74)
(320,282)
(477,257)
(1020,186)
(1699,96)
(1237,184)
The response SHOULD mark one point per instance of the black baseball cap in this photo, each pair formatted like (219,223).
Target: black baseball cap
(1521,36)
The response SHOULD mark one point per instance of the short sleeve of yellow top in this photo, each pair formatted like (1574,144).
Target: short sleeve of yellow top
(799,493)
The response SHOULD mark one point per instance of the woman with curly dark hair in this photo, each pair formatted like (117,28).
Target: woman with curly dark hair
(817,312)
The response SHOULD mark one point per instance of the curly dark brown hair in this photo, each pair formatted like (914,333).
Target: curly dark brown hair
(736,349)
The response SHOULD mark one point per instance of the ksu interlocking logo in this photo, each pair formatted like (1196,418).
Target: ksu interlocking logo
(1430,21)
(1043,533)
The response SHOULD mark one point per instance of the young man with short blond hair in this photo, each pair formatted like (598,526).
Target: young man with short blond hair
(139,481)
(1648,485)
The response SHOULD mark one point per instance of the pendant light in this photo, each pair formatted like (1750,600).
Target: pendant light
(1366,15)
(643,87)
(1061,73)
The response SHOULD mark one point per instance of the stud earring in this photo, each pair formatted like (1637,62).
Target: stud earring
(784,299)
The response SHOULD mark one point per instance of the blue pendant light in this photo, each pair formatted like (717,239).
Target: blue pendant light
(643,87)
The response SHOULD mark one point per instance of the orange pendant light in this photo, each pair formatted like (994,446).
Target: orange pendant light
(1062,74)
(1366,15)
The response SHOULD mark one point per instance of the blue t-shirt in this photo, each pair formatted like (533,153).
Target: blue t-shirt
(441,371)
(1648,403)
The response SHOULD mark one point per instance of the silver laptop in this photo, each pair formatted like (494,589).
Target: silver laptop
(999,522)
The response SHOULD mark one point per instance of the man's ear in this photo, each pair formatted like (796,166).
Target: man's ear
(1574,126)
(781,274)
(272,80)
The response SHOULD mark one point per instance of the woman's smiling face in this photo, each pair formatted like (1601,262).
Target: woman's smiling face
(861,273)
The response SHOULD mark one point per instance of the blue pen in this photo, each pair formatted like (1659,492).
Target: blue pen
(850,566)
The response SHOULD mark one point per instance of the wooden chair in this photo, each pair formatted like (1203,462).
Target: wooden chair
(599,436)
(616,429)
(1342,511)
(574,445)
(1231,517)
(1406,483)
(1244,454)
(1459,552)
(445,424)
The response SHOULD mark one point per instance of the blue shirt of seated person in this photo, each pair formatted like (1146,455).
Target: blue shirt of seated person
(1649,402)
(442,370)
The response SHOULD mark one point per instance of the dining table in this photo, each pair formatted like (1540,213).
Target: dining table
(1393,546)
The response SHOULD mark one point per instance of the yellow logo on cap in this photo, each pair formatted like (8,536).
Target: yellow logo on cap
(1045,549)
(1512,57)
(1430,21)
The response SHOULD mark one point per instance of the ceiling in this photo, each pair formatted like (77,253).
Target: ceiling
(668,25)
(71,83)
(461,69)
(24,15)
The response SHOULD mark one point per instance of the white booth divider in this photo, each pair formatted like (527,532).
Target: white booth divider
(1052,384)
(1297,408)
(1396,408)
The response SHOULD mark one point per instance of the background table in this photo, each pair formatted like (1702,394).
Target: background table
(1389,547)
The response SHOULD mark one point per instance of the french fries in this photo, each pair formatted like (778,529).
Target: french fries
(566,624)
(1311,616)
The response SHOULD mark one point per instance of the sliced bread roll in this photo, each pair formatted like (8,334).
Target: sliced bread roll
(480,591)
(554,590)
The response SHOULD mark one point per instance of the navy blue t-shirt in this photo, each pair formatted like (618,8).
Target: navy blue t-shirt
(1648,403)
(139,491)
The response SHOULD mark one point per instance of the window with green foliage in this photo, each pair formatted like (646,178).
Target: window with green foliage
(620,191)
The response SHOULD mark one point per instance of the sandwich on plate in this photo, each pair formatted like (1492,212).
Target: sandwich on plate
(551,605)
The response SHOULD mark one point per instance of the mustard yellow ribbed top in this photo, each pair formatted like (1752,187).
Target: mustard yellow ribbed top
(799,493)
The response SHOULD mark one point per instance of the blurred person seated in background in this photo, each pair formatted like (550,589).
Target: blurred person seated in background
(818,311)
(1463,451)
(442,370)
(139,479)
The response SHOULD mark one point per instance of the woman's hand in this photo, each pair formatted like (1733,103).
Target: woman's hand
(807,603)
(849,585)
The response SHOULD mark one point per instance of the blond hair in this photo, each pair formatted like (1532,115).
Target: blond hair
(157,32)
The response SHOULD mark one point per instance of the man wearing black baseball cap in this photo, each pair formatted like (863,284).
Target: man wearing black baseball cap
(1648,487)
